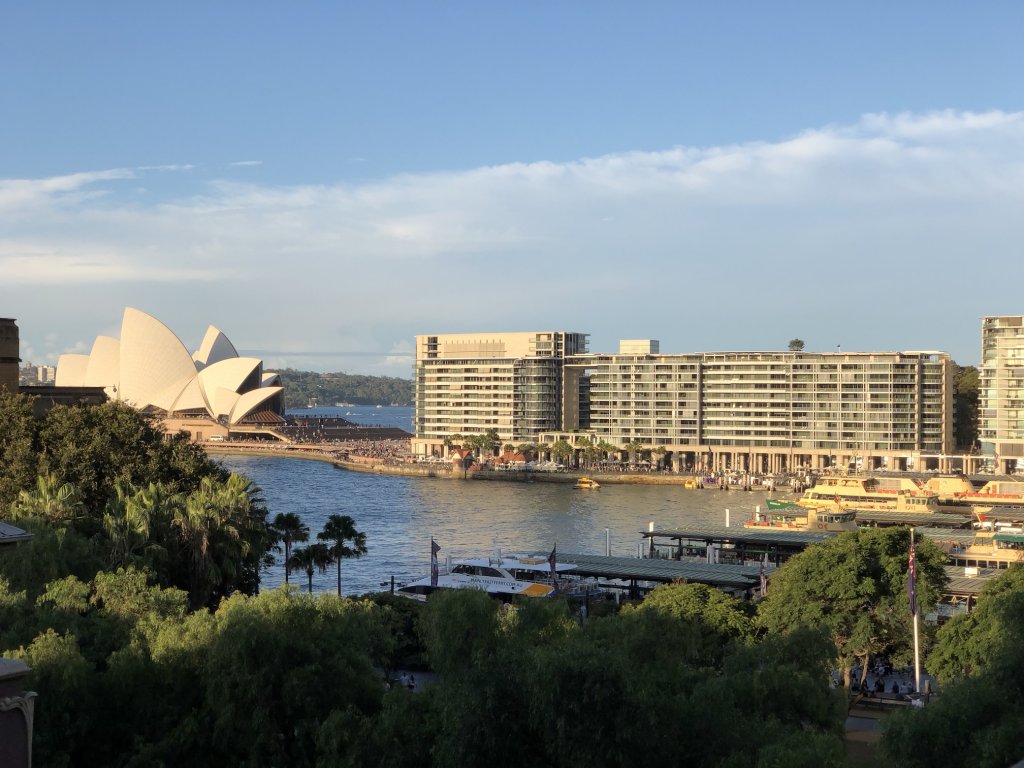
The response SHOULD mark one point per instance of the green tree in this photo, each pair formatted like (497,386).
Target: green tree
(55,502)
(490,442)
(127,524)
(216,527)
(729,617)
(338,530)
(96,447)
(796,345)
(290,529)
(964,645)
(315,557)
(965,406)
(855,587)
(561,451)
(634,449)
(18,446)
(978,721)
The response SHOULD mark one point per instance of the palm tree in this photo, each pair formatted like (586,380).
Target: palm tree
(314,557)
(128,520)
(51,500)
(633,448)
(213,524)
(289,528)
(338,530)
(561,450)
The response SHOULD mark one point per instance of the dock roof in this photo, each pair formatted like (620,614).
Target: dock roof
(962,585)
(719,575)
(9,534)
(934,519)
(739,533)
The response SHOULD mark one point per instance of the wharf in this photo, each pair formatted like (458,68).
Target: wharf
(724,576)
(741,543)
(879,519)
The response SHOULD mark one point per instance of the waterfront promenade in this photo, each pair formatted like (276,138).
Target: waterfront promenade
(345,456)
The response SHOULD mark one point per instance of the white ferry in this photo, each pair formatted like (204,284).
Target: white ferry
(501,577)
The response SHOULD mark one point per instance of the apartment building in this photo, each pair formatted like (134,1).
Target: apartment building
(1001,395)
(770,411)
(760,411)
(469,383)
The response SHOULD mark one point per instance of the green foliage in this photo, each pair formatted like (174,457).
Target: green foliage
(113,490)
(63,676)
(304,387)
(796,345)
(534,686)
(979,718)
(95,448)
(19,463)
(728,616)
(965,645)
(338,530)
(855,587)
(965,406)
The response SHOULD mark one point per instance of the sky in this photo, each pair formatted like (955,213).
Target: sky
(323,181)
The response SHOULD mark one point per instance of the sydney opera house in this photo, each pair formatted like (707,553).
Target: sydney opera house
(209,392)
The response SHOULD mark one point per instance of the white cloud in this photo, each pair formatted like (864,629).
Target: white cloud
(851,230)
(245,163)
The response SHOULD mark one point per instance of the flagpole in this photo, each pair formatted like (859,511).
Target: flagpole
(917,647)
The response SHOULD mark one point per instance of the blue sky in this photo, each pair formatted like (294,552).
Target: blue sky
(324,181)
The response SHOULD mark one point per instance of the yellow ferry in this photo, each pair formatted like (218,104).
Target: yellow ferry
(990,549)
(586,482)
(889,494)
(797,518)
(959,494)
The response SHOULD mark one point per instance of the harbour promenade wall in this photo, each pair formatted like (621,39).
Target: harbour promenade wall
(371,465)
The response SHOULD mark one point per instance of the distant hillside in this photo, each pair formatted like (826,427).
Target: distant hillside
(304,387)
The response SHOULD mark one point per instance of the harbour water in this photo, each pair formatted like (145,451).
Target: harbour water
(368,415)
(468,518)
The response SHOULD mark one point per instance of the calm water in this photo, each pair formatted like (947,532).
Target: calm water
(371,416)
(467,517)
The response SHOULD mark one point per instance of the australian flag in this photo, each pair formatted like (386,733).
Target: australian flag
(434,570)
(553,561)
(912,582)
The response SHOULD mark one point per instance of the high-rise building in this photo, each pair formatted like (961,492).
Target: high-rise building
(762,411)
(469,383)
(1001,392)
(771,411)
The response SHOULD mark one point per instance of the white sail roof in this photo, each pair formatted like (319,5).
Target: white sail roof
(149,367)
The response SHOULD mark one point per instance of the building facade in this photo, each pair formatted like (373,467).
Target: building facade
(755,411)
(513,383)
(1001,393)
(772,411)
(9,360)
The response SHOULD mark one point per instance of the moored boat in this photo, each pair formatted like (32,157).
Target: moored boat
(798,518)
(501,577)
(959,494)
(990,549)
(889,494)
